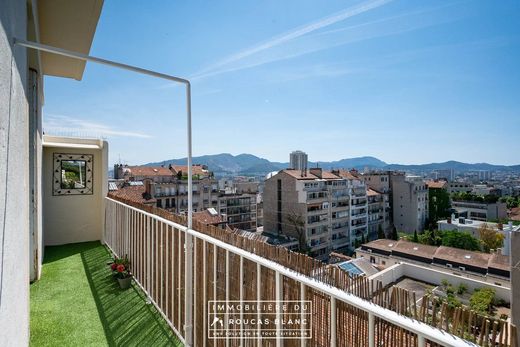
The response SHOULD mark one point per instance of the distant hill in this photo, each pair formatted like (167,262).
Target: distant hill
(249,164)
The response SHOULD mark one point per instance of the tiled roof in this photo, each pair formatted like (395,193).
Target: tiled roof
(308,176)
(417,249)
(372,192)
(461,256)
(149,171)
(499,261)
(437,184)
(133,193)
(347,174)
(207,218)
(196,169)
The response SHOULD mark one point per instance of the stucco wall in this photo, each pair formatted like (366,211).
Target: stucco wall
(14,178)
(74,218)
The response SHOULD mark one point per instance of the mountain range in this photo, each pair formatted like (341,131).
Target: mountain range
(248,164)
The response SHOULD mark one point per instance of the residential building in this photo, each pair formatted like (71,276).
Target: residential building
(410,203)
(238,210)
(327,211)
(380,182)
(484,175)
(492,268)
(480,210)
(169,185)
(438,200)
(376,213)
(298,160)
(459,187)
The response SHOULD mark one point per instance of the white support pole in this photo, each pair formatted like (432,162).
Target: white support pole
(303,316)
(188,326)
(258,300)
(333,321)
(371,330)
(227,296)
(241,300)
(279,296)
(204,296)
(188,238)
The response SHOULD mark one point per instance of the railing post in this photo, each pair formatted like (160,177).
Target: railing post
(279,296)
(420,341)
(371,330)
(333,321)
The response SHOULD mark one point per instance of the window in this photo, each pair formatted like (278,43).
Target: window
(383,262)
(372,260)
(72,174)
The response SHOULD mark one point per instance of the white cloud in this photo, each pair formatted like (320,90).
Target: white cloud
(289,36)
(65,125)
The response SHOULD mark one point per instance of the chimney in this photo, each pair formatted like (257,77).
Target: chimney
(316,171)
(149,188)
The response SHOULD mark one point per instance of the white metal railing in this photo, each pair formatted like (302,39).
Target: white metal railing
(155,247)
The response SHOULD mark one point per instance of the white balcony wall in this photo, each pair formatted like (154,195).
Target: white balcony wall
(74,218)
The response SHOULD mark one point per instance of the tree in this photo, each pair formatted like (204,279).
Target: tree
(394,235)
(438,204)
(380,232)
(462,240)
(296,220)
(363,240)
(482,300)
(490,238)
(431,237)
(415,238)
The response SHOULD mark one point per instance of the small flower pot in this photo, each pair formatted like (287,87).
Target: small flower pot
(125,283)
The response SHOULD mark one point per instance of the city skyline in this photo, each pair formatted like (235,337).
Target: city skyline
(402,81)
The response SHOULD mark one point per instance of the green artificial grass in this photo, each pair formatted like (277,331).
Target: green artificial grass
(78,303)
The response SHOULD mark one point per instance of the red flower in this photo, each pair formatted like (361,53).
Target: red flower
(120,268)
(113,266)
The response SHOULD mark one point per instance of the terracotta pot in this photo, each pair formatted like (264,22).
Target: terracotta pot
(125,283)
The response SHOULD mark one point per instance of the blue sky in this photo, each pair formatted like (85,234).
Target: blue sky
(404,81)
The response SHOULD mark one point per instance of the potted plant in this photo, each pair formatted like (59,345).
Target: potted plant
(121,269)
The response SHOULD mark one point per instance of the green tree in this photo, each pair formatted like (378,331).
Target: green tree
(438,204)
(431,237)
(380,232)
(415,237)
(482,300)
(363,240)
(490,238)
(462,240)
(298,223)
(394,235)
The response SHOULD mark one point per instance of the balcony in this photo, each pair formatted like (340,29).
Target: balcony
(154,241)
(78,303)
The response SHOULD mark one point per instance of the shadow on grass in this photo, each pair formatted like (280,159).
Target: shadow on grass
(126,317)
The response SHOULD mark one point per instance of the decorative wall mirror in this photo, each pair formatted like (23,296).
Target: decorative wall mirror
(72,174)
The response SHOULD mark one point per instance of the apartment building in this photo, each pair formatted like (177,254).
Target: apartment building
(298,160)
(169,185)
(324,210)
(238,210)
(376,213)
(480,210)
(444,174)
(459,187)
(380,182)
(410,203)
